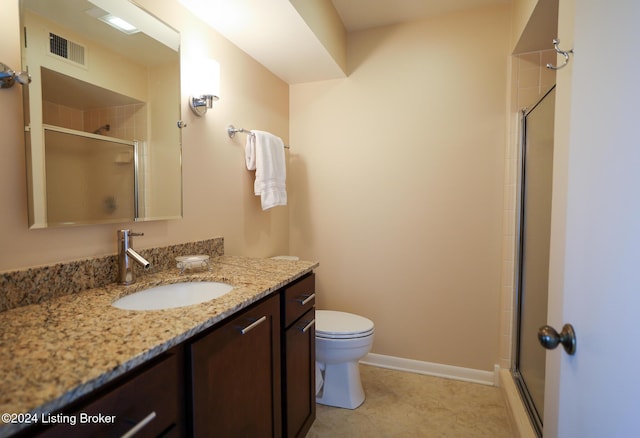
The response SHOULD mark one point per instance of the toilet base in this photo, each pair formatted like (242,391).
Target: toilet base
(342,386)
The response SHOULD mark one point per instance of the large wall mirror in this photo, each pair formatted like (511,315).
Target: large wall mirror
(102,139)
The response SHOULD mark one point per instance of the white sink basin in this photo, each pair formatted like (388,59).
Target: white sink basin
(170,296)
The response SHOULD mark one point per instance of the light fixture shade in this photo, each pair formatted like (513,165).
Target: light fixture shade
(205,85)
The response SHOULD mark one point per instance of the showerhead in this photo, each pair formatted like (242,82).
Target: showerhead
(106,127)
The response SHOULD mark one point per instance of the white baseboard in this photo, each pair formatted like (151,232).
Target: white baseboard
(432,369)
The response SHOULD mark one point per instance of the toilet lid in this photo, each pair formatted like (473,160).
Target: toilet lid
(336,325)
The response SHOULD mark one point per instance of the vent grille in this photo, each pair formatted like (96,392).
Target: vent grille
(66,49)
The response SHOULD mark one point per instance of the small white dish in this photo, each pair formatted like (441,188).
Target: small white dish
(193,262)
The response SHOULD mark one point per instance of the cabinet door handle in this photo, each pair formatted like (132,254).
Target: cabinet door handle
(142,423)
(308,326)
(304,299)
(253,325)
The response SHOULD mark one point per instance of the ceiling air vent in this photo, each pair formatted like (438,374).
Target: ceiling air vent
(66,49)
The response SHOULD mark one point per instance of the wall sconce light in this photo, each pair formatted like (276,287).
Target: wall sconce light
(8,77)
(206,78)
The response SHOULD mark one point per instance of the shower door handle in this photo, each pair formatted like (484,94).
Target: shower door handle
(549,338)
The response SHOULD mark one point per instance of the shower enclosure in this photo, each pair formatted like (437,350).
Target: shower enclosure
(90,178)
(533,253)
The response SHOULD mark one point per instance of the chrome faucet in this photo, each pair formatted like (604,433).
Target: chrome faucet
(126,254)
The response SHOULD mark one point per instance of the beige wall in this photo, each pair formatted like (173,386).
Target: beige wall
(218,196)
(521,12)
(323,19)
(398,176)
(161,172)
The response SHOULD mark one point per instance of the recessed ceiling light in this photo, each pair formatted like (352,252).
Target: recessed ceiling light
(120,24)
(113,20)
(136,19)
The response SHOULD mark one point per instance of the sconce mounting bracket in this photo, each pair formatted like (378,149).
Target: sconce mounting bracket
(200,104)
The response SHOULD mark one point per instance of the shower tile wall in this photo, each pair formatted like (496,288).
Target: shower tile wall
(534,78)
(64,116)
(530,81)
(128,122)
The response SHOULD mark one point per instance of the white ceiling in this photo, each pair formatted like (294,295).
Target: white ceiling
(274,34)
(365,14)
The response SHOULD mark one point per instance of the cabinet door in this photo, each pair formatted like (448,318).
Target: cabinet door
(236,376)
(300,376)
(149,402)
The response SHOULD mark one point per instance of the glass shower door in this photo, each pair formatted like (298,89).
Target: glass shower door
(534,240)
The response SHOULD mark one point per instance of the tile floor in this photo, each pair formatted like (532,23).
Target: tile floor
(401,404)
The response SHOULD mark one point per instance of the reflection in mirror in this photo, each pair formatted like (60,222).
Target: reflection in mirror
(88,177)
(102,140)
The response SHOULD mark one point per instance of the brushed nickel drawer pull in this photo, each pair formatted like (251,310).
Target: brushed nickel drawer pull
(302,299)
(142,423)
(308,326)
(253,325)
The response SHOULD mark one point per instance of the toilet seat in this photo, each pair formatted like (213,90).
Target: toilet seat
(332,324)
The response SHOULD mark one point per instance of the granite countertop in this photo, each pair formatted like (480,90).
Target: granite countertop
(55,352)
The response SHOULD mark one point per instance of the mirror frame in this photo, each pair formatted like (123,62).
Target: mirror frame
(157,181)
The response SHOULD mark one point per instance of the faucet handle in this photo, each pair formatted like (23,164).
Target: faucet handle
(131,233)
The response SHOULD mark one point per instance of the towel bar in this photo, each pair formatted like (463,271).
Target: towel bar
(232,131)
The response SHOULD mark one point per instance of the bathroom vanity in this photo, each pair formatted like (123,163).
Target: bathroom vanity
(239,365)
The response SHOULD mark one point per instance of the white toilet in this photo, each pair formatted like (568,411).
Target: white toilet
(342,339)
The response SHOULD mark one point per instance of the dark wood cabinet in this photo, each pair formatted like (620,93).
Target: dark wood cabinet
(299,357)
(298,298)
(149,399)
(235,376)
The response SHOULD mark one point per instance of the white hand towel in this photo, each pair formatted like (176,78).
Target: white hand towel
(264,153)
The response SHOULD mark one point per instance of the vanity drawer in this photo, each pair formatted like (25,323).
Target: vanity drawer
(299,298)
(149,401)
